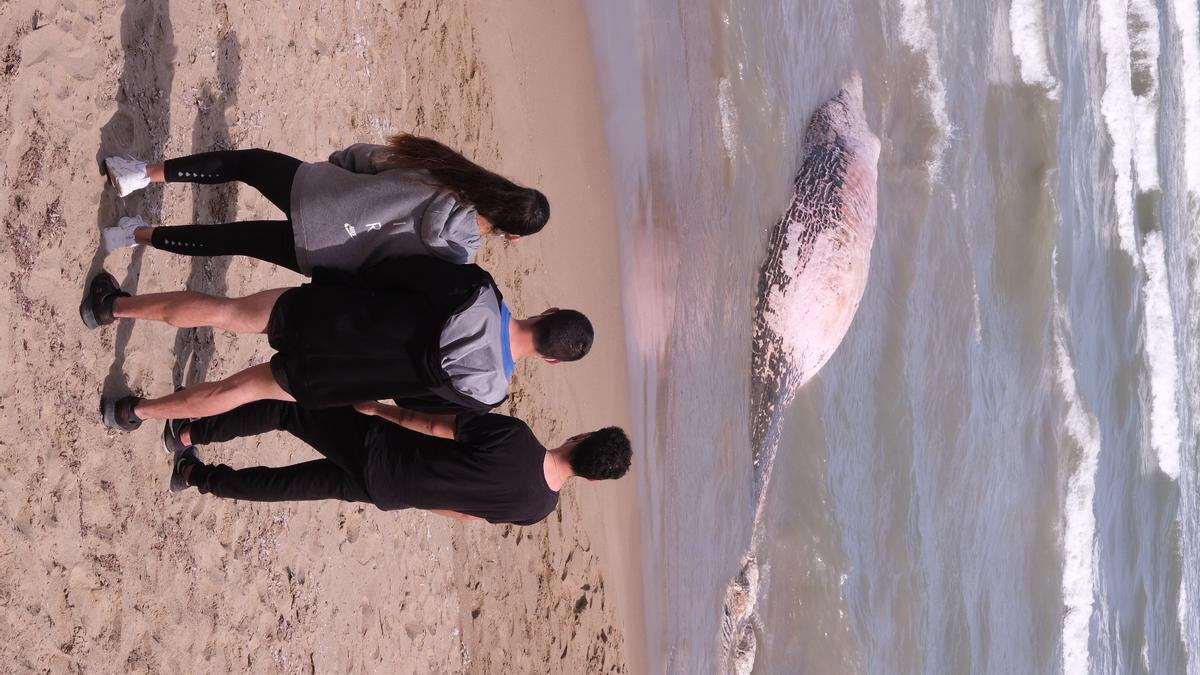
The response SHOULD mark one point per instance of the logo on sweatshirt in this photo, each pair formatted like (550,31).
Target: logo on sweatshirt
(370,226)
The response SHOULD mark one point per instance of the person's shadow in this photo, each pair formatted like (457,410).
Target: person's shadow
(211,204)
(139,128)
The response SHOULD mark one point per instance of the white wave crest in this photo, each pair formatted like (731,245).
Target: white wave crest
(1027,23)
(916,32)
(1184,21)
(1117,106)
(1161,358)
(1187,22)
(1079,532)
(1145,43)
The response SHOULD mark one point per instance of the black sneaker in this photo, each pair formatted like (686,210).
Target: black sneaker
(184,459)
(97,307)
(171,431)
(119,414)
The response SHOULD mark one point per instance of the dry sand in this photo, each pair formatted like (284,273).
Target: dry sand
(101,570)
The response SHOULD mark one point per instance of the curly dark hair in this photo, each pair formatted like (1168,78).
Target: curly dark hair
(511,208)
(565,335)
(602,455)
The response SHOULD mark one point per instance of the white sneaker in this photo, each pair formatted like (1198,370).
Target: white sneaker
(126,174)
(121,235)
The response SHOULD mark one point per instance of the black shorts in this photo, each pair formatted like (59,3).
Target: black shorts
(277,334)
(339,346)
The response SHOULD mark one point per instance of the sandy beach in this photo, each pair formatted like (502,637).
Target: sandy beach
(101,569)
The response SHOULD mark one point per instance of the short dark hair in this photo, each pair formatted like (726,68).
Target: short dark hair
(565,335)
(604,454)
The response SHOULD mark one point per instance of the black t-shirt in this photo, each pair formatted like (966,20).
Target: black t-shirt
(492,469)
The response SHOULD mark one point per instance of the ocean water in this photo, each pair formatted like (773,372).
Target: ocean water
(998,470)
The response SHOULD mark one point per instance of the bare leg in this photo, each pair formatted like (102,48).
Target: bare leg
(143,235)
(155,172)
(213,398)
(189,309)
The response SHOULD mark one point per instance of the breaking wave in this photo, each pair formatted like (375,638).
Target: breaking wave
(1027,23)
(1144,48)
(1079,530)
(916,32)
(1117,106)
(1187,22)
(1161,357)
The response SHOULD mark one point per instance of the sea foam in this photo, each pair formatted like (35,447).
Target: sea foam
(1079,531)
(1145,44)
(729,118)
(1027,23)
(916,32)
(1161,357)
(1187,22)
(1117,106)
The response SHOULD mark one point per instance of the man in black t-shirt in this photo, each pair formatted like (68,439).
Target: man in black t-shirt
(488,467)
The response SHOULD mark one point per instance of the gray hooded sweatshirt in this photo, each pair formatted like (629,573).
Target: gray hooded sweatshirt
(473,350)
(346,214)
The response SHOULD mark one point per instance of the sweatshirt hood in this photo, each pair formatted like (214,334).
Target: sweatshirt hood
(450,225)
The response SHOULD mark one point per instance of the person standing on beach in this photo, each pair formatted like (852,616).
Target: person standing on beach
(413,196)
(431,334)
(489,467)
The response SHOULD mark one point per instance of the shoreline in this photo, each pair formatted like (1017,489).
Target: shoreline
(548,99)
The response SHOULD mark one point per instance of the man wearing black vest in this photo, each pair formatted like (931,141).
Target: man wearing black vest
(433,335)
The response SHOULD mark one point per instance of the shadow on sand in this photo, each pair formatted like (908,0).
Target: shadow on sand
(211,204)
(139,128)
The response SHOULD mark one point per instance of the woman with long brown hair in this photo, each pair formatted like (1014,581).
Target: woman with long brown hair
(413,196)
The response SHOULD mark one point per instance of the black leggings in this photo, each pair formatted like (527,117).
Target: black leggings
(337,433)
(271,173)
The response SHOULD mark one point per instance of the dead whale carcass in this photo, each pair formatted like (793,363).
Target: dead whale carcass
(819,255)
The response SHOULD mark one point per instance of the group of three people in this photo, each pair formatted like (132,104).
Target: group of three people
(395,309)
